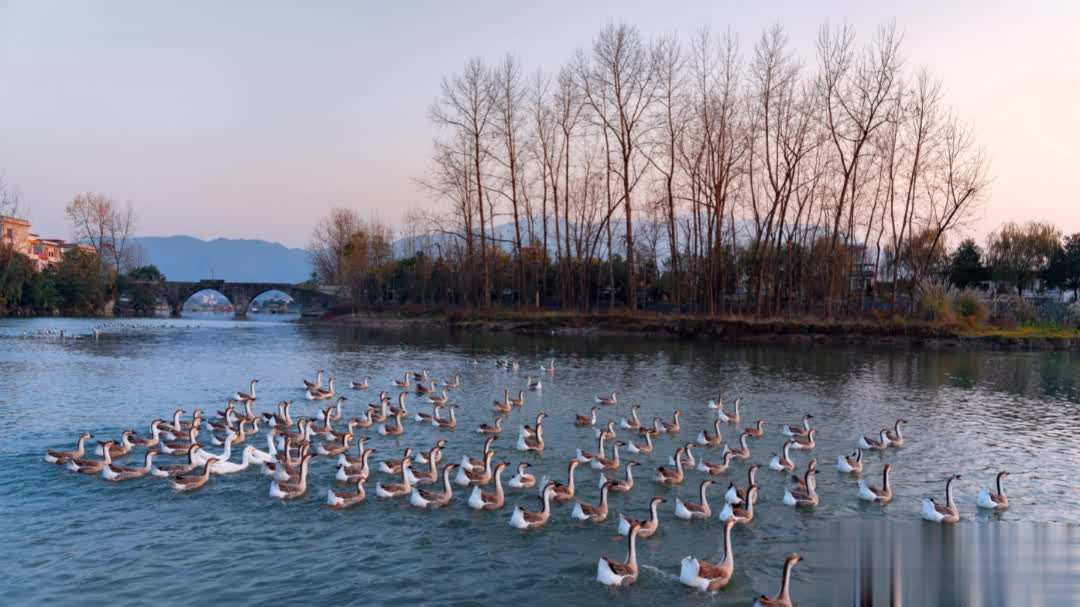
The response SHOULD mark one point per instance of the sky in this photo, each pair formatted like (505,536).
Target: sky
(254,119)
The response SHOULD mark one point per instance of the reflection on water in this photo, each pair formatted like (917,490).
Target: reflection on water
(972,413)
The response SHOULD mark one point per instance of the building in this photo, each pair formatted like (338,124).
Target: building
(44,252)
(15,233)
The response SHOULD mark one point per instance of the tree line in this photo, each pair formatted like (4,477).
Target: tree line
(696,173)
(1035,255)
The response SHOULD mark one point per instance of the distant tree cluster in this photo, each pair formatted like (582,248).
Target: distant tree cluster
(1018,255)
(717,178)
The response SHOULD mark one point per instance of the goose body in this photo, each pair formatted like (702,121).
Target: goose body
(534,442)
(649,525)
(639,448)
(994,501)
(62,457)
(227,467)
(599,462)
(687,457)
(113,472)
(393,490)
(674,426)
(799,430)
(155,435)
(316,384)
(344,499)
(757,430)
(850,463)
(689,510)
(522,480)
(742,452)
(709,577)
(177,469)
(289,491)
(486,429)
(446,422)
(741,515)
(795,497)
(322,393)
(348,472)
(189,483)
(608,400)
(736,494)
(482,500)
(526,519)
(91,466)
(632,422)
(714,469)
(896,436)
(608,431)
(882,494)
(591,513)
(804,442)
(434,499)
(705,439)
(361,385)
(880,444)
(732,418)
(115,450)
(783,597)
(614,573)
(249,396)
(619,485)
(671,477)
(949,513)
(782,462)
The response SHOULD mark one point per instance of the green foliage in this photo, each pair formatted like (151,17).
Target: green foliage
(83,284)
(966,267)
(1019,254)
(148,272)
(1063,271)
(970,309)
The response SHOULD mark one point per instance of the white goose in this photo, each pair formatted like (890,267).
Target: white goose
(522,480)
(614,573)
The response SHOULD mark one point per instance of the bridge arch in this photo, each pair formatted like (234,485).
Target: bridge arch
(311,301)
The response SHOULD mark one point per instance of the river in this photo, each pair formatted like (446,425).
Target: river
(70,538)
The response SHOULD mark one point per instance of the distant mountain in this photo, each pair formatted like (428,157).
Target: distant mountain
(185,258)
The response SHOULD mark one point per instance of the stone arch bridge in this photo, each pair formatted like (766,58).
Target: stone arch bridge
(312,302)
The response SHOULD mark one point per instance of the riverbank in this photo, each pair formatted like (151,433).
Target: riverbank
(892,333)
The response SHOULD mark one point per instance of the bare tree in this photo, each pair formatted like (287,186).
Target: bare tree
(104,225)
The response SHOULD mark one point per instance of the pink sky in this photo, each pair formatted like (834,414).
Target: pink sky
(251,120)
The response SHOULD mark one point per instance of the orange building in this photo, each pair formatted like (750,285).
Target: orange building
(15,233)
(44,252)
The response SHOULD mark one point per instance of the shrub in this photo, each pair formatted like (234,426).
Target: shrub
(935,302)
(970,309)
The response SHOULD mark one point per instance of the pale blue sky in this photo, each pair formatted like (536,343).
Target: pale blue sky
(252,119)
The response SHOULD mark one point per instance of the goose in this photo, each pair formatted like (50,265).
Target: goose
(795,482)
(471,463)
(288,491)
(522,480)
(608,400)
(734,417)
(177,447)
(421,376)
(705,439)
(782,462)
(287,469)
(519,401)
(281,418)
(365,421)
(393,466)
(804,442)
(562,492)
(708,577)
(717,403)
(155,435)
(534,383)
(738,514)
(486,429)
(671,477)
(994,501)
(687,457)
(531,431)
(504,406)
(201,456)
(949,513)
(232,467)
(241,433)
(393,490)
(795,497)
(330,450)
(450,422)
(344,499)
(534,442)
(303,432)
(550,368)
(454,383)
(177,469)
(350,472)
(585,456)
(622,486)
(782,598)
(736,494)
(878,445)
(316,384)
(714,469)
(196,419)
(646,448)
(431,475)
(587,420)
(241,396)
(632,422)
(361,385)
(648,526)
(393,430)
(674,426)
(655,431)
(690,510)
(113,472)
(850,463)
(467,478)
(439,400)
(185,435)
(591,513)
(322,393)
(379,413)
(402,383)
(335,435)
(336,409)
(896,437)
(525,519)
(189,483)
(62,457)
(757,430)
(229,415)
(599,462)
(513,367)
(882,494)
(614,573)
(422,389)
(425,418)
(120,450)
(802,430)
(742,452)
(175,425)
(431,499)
(482,500)
(326,426)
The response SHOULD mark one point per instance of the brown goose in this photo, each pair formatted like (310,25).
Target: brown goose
(674,426)
(632,422)
(113,472)
(316,384)
(757,430)
(639,448)
(61,457)
(535,442)
(671,477)
(994,501)
(742,452)
(471,463)
(395,429)
(608,400)
(802,430)
(362,384)
(782,598)
(332,449)
(741,515)
(736,494)
(599,462)
(486,429)
(878,445)
(188,483)
(714,439)
(522,480)
(690,510)
(288,491)
(155,435)
(850,463)
(344,499)
(709,577)
(525,519)
(608,431)
(392,490)
(446,422)
(504,406)
(782,462)
(714,469)
(469,478)
(648,526)
(591,513)
(348,472)
(120,450)
(799,483)
(562,492)
(807,498)
(431,499)
(622,486)
(336,415)
(519,401)
(242,396)
(393,466)
(91,466)
(177,469)
(614,573)
(895,436)
(804,442)
(949,513)
(882,494)
(482,500)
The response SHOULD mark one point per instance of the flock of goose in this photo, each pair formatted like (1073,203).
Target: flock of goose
(292,442)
